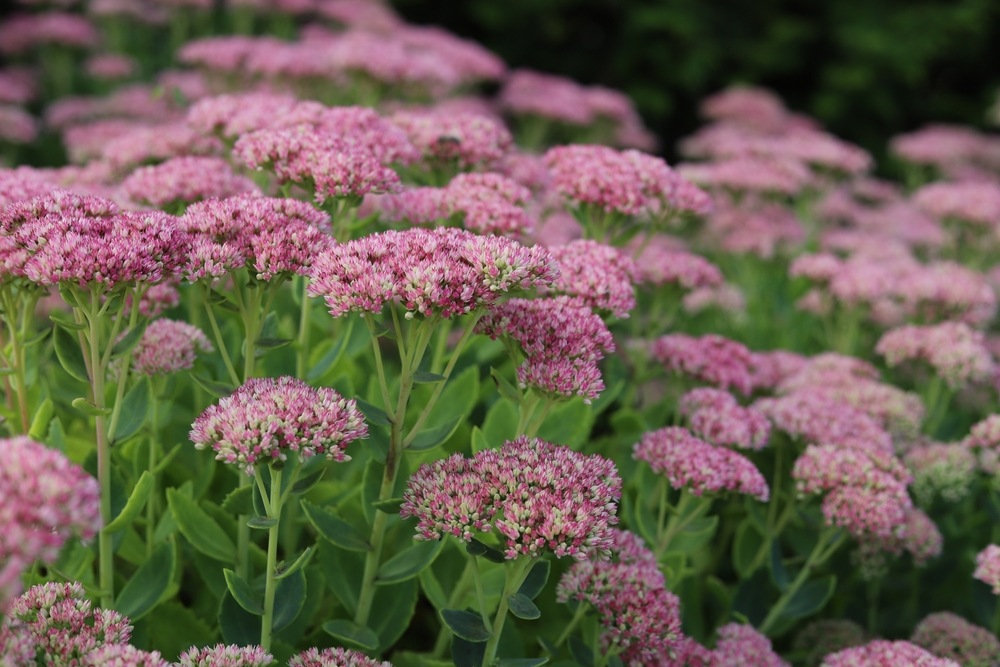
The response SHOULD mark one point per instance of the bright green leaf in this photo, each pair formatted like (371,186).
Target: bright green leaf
(243,593)
(134,408)
(136,501)
(334,529)
(409,562)
(199,528)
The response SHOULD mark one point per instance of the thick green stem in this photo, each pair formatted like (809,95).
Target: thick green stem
(302,358)
(581,611)
(270,582)
(516,572)
(374,556)
(152,504)
(829,541)
(220,342)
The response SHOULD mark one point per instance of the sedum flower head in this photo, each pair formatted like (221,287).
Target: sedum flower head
(712,359)
(538,496)
(740,644)
(865,489)
(596,275)
(47,500)
(467,139)
(269,236)
(562,342)
(814,416)
(988,567)
(223,655)
(950,636)
(941,469)
(65,625)
(168,346)
(954,350)
(691,463)
(637,612)
(444,272)
(335,657)
(715,416)
(885,653)
(185,180)
(266,418)
(124,655)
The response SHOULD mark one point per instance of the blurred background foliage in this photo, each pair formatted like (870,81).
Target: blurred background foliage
(867,69)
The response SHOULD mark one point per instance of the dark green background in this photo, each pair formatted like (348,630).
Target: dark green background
(866,68)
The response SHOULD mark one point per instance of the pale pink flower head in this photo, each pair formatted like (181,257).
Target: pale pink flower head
(17,645)
(183,180)
(17,126)
(939,469)
(335,657)
(770,369)
(973,203)
(984,441)
(948,635)
(664,261)
(47,501)
(561,341)
(266,418)
(168,346)
(944,146)
(740,644)
(223,655)
(727,297)
(865,491)
(749,106)
(637,613)
(691,463)
(18,85)
(956,352)
(271,237)
(711,359)
(988,567)
(885,653)
(464,139)
(321,162)
(815,416)
(65,625)
(110,66)
(750,174)
(918,536)
(596,275)
(233,114)
(23,32)
(124,655)
(538,496)
(443,272)
(753,226)
(154,142)
(715,416)
(23,183)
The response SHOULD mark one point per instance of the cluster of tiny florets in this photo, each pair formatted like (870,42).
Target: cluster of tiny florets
(225,655)
(691,463)
(885,653)
(599,276)
(538,496)
(950,636)
(445,272)
(335,657)
(956,352)
(266,418)
(168,346)
(712,359)
(715,416)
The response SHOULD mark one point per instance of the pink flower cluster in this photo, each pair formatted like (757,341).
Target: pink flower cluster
(814,416)
(271,237)
(885,653)
(637,612)
(185,180)
(321,162)
(465,139)
(918,536)
(740,644)
(984,440)
(443,272)
(530,93)
(988,567)
(64,237)
(750,174)
(539,496)
(23,32)
(974,203)
(223,655)
(17,126)
(266,418)
(123,655)
(335,657)
(47,501)
(711,358)
(753,226)
(562,342)
(956,352)
(628,182)
(64,625)
(947,147)
(168,346)
(596,275)
(717,417)
(950,636)
(865,489)
(486,203)
(691,463)
(664,261)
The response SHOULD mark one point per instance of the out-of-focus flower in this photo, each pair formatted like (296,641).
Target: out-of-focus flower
(884,653)
(713,359)
(955,351)
(950,636)
(740,644)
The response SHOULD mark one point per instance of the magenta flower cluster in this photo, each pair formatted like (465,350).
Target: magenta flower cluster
(956,352)
(266,418)
(47,501)
(636,611)
(692,464)
(561,340)
(717,417)
(596,275)
(168,346)
(711,359)
(443,272)
(538,496)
